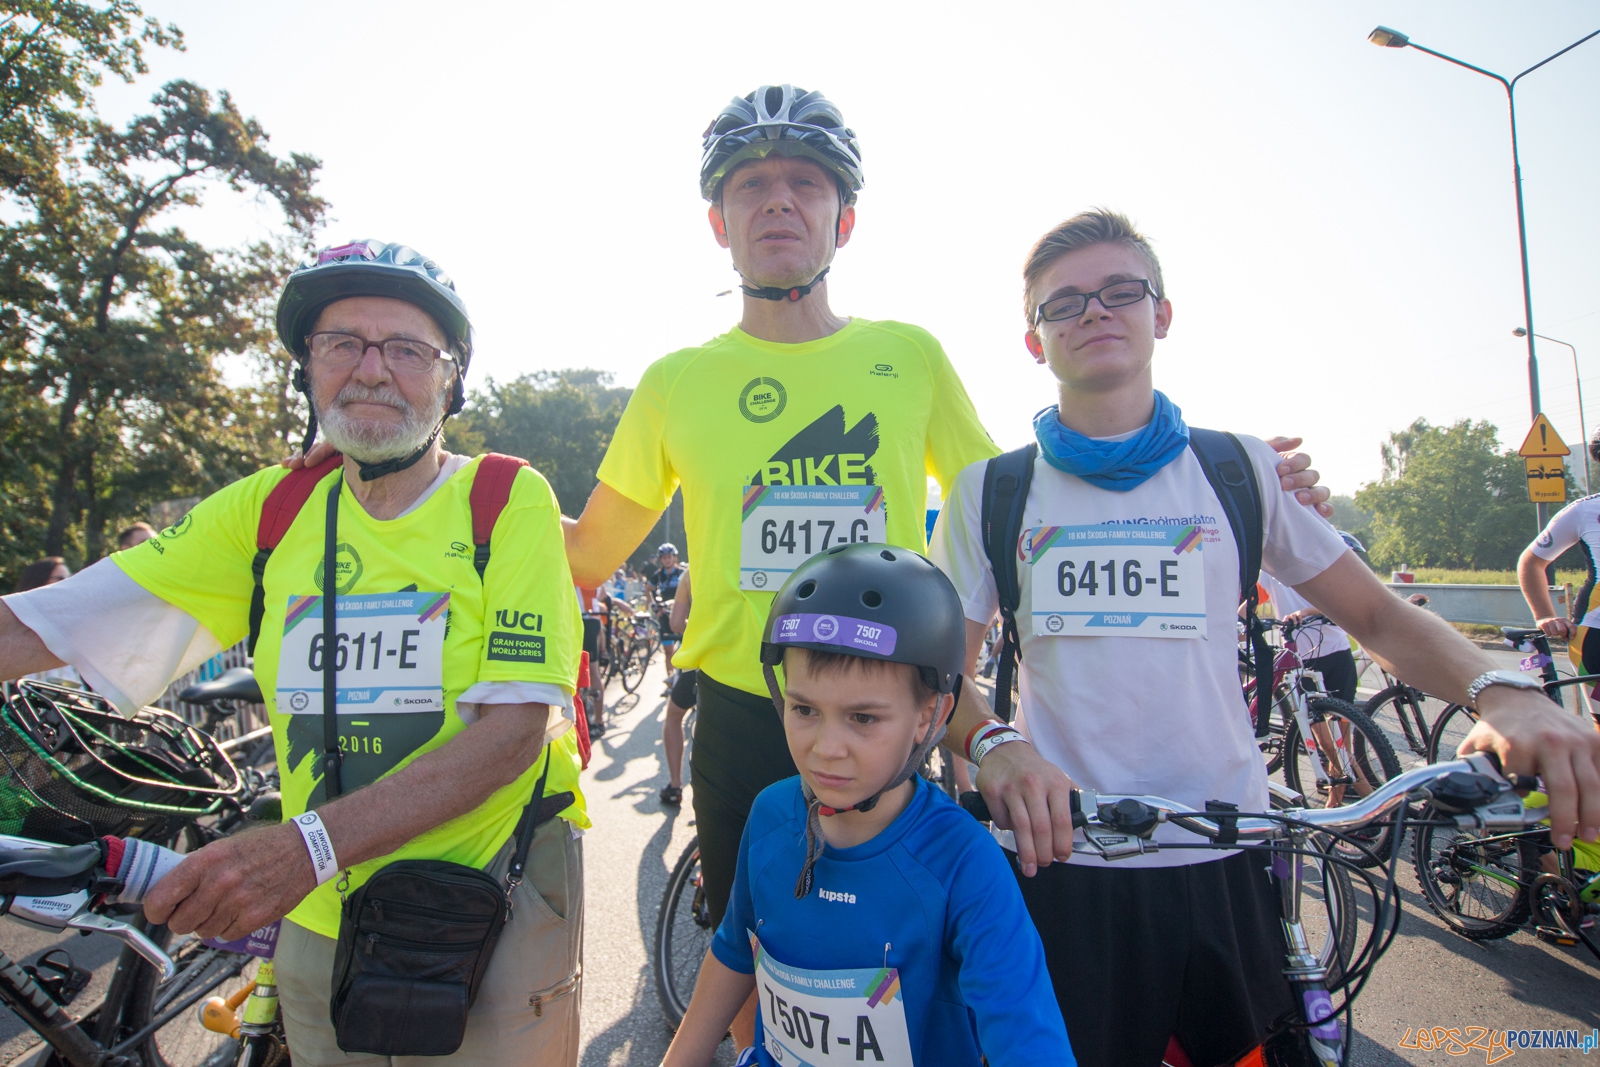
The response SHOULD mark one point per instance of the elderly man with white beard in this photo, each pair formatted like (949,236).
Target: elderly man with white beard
(442,733)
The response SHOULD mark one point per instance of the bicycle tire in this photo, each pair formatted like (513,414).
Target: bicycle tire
(1462,870)
(1333,938)
(1399,704)
(183,1042)
(1448,730)
(634,667)
(1372,757)
(1271,744)
(683,934)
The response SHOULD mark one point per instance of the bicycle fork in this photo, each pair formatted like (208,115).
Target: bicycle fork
(1308,978)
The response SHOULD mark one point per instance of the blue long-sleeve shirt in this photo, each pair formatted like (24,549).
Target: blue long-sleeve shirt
(933,897)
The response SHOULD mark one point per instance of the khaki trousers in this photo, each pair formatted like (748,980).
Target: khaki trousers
(527,1007)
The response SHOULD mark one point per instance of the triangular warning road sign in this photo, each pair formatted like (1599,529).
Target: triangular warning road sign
(1542,440)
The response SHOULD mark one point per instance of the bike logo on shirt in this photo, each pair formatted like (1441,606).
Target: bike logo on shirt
(763,400)
(347,567)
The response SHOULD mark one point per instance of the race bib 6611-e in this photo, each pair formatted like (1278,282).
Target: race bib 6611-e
(811,1018)
(388,654)
(1117,580)
(782,526)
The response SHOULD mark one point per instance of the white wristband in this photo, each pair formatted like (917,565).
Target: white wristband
(323,861)
(993,739)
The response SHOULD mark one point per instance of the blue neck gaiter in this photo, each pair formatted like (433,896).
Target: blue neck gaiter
(1116,465)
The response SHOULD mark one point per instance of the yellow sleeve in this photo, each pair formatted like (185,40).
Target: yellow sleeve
(533,632)
(956,438)
(201,563)
(636,463)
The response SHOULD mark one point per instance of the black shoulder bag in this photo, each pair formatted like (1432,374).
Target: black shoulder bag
(415,940)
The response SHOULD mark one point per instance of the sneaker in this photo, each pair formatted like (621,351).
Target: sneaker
(671,796)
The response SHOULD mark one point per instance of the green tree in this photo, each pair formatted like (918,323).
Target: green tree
(1449,497)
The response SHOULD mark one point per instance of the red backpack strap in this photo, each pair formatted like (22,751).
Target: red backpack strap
(277,515)
(491,489)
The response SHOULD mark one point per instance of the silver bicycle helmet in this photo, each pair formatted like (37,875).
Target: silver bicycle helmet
(784,120)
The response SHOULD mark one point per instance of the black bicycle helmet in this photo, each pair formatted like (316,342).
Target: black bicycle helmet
(785,120)
(373,268)
(878,602)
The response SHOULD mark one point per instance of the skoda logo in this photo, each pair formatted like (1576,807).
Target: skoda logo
(298,700)
(1054,624)
(179,528)
(763,400)
(825,627)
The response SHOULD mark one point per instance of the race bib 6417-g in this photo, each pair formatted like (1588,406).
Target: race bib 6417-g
(1117,580)
(784,525)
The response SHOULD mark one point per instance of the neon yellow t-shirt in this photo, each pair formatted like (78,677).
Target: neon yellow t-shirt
(876,403)
(520,623)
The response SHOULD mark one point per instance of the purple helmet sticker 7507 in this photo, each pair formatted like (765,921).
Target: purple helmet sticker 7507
(840,631)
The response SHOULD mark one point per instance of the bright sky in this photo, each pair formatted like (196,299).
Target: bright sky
(1335,221)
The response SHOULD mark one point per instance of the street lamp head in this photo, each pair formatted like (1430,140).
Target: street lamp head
(1519,332)
(1384,37)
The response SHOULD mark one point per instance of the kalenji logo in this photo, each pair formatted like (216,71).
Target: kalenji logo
(837,898)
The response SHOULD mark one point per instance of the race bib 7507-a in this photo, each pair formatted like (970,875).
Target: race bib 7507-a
(782,526)
(1131,580)
(811,1018)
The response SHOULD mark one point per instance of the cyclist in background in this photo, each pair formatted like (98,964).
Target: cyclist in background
(595,607)
(41,572)
(1322,647)
(664,586)
(1175,954)
(135,535)
(1576,524)
(480,670)
(683,696)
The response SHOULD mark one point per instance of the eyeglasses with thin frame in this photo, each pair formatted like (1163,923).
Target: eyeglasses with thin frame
(1115,295)
(341,350)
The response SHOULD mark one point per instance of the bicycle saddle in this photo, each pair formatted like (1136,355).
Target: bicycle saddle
(49,872)
(1518,634)
(237,683)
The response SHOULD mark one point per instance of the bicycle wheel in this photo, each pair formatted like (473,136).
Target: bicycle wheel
(635,665)
(1324,778)
(1399,712)
(1449,730)
(202,972)
(1474,881)
(1328,913)
(683,934)
(1271,744)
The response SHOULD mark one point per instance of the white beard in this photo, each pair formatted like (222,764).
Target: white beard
(371,441)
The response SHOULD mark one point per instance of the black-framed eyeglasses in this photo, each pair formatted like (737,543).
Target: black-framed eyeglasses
(1115,295)
(340,350)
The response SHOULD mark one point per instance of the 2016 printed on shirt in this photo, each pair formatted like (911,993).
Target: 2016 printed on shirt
(1144,580)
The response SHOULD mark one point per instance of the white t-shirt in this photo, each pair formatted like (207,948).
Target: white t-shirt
(1142,715)
(1576,524)
(1312,641)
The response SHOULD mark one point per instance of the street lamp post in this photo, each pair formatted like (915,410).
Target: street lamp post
(1583,427)
(1384,37)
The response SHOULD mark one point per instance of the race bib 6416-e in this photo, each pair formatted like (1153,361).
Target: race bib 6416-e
(782,526)
(811,1018)
(1117,580)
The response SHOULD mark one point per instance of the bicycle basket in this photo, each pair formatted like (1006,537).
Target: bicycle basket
(73,768)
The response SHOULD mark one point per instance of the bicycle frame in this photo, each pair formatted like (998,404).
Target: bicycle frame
(1326,746)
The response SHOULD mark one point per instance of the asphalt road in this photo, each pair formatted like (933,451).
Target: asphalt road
(1429,978)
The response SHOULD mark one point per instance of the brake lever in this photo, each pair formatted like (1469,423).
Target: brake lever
(89,922)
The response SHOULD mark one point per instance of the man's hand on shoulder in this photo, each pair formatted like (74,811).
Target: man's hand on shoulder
(1297,477)
(1533,735)
(319,452)
(235,885)
(1031,797)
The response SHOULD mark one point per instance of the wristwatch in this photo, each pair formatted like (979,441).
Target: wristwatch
(1508,678)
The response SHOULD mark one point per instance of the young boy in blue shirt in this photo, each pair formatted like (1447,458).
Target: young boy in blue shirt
(875,920)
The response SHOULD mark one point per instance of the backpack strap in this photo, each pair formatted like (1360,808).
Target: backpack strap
(1228,468)
(1006,479)
(491,490)
(277,515)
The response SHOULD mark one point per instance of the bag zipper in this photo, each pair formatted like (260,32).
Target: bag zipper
(372,940)
(398,908)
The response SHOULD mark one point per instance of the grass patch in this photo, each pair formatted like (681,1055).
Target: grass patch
(1453,577)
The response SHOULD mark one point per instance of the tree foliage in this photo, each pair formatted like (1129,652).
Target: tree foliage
(1449,497)
(117,325)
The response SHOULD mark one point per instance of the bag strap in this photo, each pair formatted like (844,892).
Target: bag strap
(491,490)
(1232,476)
(539,810)
(1006,479)
(332,758)
(277,515)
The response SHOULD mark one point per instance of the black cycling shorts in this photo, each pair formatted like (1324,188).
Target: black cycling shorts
(1139,955)
(739,750)
(1338,670)
(591,642)
(684,689)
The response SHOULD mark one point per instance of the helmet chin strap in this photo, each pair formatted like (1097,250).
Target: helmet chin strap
(815,809)
(370,471)
(772,292)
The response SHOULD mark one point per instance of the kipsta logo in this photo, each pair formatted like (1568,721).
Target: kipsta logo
(763,400)
(883,370)
(825,627)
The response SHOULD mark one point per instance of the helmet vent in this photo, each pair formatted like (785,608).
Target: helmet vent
(886,554)
(872,598)
(774,99)
(807,587)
